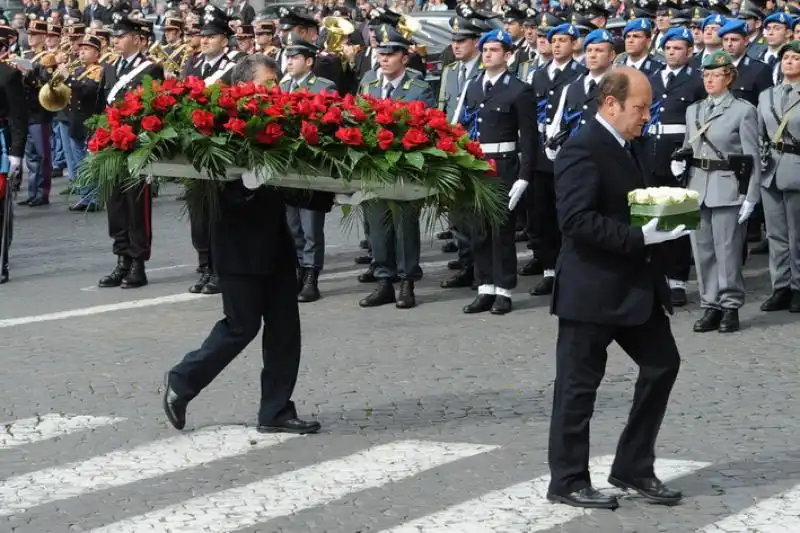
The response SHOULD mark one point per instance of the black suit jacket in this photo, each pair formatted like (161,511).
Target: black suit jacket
(13,111)
(605,274)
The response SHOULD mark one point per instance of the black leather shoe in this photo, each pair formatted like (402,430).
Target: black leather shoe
(460,279)
(212,287)
(363,260)
(363,244)
(174,406)
(310,290)
(368,276)
(118,274)
(405,296)
(543,287)
(444,235)
(794,306)
(709,321)
(678,297)
(197,288)
(450,247)
(520,236)
(481,304)
(291,425)
(136,276)
(531,268)
(26,201)
(650,488)
(4,274)
(730,321)
(382,295)
(38,202)
(761,248)
(300,274)
(501,306)
(780,300)
(587,498)
(455,264)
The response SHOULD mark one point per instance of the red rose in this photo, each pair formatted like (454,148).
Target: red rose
(151,123)
(123,137)
(385,139)
(356,113)
(235,126)
(131,105)
(333,116)
(270,134)
(413,138)
(350,136)
(203,121)
(274,111)
(309,132)
(195,85)
(474,148)
(384,119)
(305,108)
(439,123)
(173,87)
(447,144)
(227,102)
(253,106)
(163,102)
(493,168)
(99,140)
(114,117)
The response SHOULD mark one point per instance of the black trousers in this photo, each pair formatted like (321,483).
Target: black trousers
(200,227)
(130,216)
(581,355)
(495,250)
(543,232)
(246,302)
(9,227)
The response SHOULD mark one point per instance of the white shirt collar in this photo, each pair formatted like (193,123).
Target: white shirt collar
(551,68)
(471,64)
(303,78)
(635,64)
(131,58)
(592,78)
(213,61)
(736,61)
(395,82)
(610,129)
(492,79)
(669,70)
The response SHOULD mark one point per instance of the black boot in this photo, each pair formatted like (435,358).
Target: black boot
(118,274)
(310,289)
(136,276)
(212,286)
(780,300)
(531,268)
(465,278)
(368,276)
(4,274)
(300,275)
(382,295)
(198,285)
(730,321)
(709,321)
(405,296)
(543,287)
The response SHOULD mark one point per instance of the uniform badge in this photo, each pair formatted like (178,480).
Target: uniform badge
(455,24)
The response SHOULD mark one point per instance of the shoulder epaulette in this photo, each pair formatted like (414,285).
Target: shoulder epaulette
(324,81)
(417,83)
(452,66)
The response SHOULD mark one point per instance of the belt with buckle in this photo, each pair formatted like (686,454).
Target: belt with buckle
(785,148)
(498,148)
(710,164)
(667,129)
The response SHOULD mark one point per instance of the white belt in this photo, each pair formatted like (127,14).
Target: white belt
(667,129)
(498,148)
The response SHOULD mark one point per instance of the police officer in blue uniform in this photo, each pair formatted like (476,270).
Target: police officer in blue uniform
(638,34)
(712,42)
(497,114)
(753,77)
(675,88)
(777,32)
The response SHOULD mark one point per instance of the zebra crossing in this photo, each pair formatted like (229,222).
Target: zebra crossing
(517,508)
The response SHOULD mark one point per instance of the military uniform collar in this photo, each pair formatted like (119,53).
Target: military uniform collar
(395,82)
(307,77)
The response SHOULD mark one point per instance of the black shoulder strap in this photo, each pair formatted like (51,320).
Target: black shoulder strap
(702,132)
(778,120)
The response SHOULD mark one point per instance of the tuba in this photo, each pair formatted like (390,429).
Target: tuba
(55,94)
(337,29)
(408,26)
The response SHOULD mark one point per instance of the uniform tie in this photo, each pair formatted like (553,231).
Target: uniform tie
(670,79)
(592,87)
(771,61)
(462,75)
(206,70)
(488,87)
(388,90)
(294,86)
(709,109)
(122,66)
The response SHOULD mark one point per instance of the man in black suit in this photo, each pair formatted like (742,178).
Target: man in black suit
(608,289)
(129,208)
(255,259)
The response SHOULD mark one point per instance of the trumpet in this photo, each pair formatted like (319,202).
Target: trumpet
(338,28)
(408,27)
(109,57)
(160,56)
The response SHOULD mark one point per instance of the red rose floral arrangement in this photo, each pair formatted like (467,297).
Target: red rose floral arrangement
(377,141)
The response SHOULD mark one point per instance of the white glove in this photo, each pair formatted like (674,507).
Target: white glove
(251,181)
(14,164)
(745,211)
(551,154)
(677,168)
(654,236)
(516,192)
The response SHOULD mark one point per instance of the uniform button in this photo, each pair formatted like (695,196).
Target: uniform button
(664,96)
(586,107)
(549,106)
(658,136)
(481,106)
(480,119)
(583,122)
(662,109)
(552,92)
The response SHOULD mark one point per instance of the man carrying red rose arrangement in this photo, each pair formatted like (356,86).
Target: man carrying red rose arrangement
(129,208)
(394,233)
(497,113)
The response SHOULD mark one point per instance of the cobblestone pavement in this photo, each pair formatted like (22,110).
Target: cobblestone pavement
(433,421)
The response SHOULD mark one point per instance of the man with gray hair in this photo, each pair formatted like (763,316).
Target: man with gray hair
(257,68)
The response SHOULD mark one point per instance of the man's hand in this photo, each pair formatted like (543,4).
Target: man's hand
(653,236)
(745,211)
(516,192)
(551,154)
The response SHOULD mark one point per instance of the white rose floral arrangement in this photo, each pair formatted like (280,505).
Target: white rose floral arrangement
(672,206)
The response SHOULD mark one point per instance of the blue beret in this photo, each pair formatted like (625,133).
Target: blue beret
(734,26)
(780,18)
(645,25)
(716,18)
(563,29)
(679,34)
(496,36)
(597,37)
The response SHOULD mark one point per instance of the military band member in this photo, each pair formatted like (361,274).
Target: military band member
(455,78)
(548,82)
(722,131)
(395,233)
(173,34)
(378,17)
(777,32)
(265,37)
(245,39)
(306,225)
(129,209)
(84,102)
(752,76)
(638,35)
(674,88)
(497,114)
(13,129)
(779,128)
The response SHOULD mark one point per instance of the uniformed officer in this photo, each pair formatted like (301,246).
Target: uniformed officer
(213,65)
(548,82)
(753,16)
(265,38)
(514,15)
(455,78)
(711,39)
(497,114)
(544,52)
(371,69)
(665,13)
(752,76)
(395,233)
(696,19)
(306,225)
(779,126)
(675,88)
(13,131)
(637,35)
(129,208)
(246,39)
(777,32)
(84,102)
(722,132)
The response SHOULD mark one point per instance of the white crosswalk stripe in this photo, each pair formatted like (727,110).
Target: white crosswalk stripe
(128,466)
(524,507)
(51,426)
(780,514)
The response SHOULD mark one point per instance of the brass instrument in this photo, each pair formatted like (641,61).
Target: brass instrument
(55,94)
(160,56)
(109,57)
(271,51)
(337,28)
(408,26)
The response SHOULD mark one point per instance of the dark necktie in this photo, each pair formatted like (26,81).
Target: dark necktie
(122,66)
(592,87)
(787,90)
(670,79)
(206,70)
(294,86)
(771,61)
(462,75)
(556,73)
(488,88)
(709,109)
(389,89)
